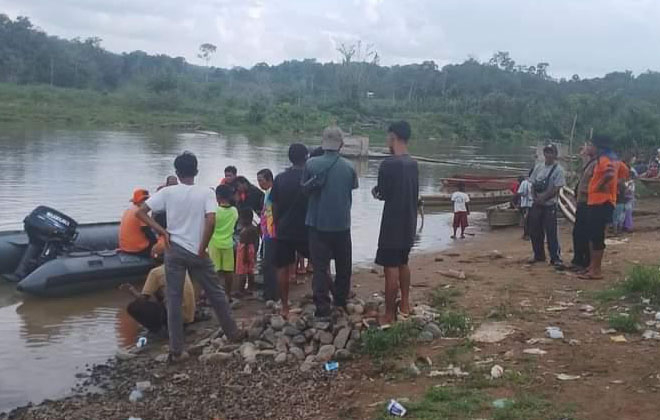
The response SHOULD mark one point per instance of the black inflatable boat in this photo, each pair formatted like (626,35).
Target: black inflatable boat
(54,256)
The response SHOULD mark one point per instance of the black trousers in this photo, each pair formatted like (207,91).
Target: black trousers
(268,269)
(149,314)
(324,246)
(581,254)
(543,223)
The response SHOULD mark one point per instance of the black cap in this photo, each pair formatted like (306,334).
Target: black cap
(552,148)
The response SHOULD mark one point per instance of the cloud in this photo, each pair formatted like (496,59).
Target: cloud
(588,37)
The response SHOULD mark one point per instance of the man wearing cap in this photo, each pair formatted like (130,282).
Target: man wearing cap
(547,179)
(601,199)
(329,221)
(135,237)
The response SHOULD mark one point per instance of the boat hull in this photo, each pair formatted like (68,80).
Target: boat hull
(91,237)
(84,272)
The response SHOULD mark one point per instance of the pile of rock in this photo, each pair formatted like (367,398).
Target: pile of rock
(305,339)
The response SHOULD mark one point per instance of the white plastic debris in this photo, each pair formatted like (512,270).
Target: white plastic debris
(535,351)
(554,332)
(565,377)
(496,372)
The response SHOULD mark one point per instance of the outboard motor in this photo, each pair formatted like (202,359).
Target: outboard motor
(49,232)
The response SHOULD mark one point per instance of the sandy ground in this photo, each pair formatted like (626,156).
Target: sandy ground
(617,380)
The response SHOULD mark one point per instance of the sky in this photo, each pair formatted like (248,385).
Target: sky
(585,37)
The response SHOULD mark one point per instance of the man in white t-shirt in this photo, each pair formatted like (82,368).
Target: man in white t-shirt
(461,210)
(190,211)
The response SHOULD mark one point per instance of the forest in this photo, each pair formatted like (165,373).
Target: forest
(47,79)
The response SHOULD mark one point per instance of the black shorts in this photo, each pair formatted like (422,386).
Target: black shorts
(599,217)
(285,251)
(391,257)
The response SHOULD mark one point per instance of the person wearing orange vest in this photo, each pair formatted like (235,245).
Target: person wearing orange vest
(135,237)
(601,199)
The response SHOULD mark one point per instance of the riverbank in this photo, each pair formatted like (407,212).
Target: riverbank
(588,374)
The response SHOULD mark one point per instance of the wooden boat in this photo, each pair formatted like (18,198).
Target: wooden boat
(485,198)
(652,184)
(480,182)
(502,215)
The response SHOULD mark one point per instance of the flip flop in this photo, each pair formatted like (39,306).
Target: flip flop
(590,277)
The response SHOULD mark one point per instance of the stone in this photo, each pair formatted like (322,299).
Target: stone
(554,333)
(281,345)
(270,304)
(280,358)
(277,322)
(300,323)
(299,340)
(310,359)
(309,333)
(325,353)
(350,308)
(248,352)
(143,386)
(263,345)
(492,332)
(297,353)
(269,353)
(269,335)
(228,348)
(291,331)
(425,336)
(321,325)
(254,334)
(306,367)
(213,358)
(124,355)
(325,337)
(358,309)
(355,334)
(342,338)
(162,358)
(343,354)
(413,370)
(434,329)
(353,345)
(310,349)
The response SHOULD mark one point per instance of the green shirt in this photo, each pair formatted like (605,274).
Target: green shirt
(225,220)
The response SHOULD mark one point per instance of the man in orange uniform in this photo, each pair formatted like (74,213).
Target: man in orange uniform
(601,199)
(135,237)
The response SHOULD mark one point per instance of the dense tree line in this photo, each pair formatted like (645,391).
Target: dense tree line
(496,100)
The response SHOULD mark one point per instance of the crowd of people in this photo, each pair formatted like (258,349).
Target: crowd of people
(304,212)
(206,235)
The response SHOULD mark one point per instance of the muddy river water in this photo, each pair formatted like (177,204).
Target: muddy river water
(90,176)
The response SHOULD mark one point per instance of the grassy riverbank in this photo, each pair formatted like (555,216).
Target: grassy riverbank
(132,107)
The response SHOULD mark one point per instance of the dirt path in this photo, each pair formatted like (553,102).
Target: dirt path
(618,380)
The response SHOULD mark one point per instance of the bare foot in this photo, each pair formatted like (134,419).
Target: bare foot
(285,311)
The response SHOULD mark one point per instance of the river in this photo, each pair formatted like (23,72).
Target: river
(90,176)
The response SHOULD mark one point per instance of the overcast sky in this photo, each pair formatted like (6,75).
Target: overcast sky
(587,37)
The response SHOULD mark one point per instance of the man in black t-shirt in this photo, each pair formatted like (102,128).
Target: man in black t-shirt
(289,210)
(398,186)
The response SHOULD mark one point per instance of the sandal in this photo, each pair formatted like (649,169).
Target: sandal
(588,276)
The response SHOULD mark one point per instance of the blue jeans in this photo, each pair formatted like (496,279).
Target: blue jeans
(543,223)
